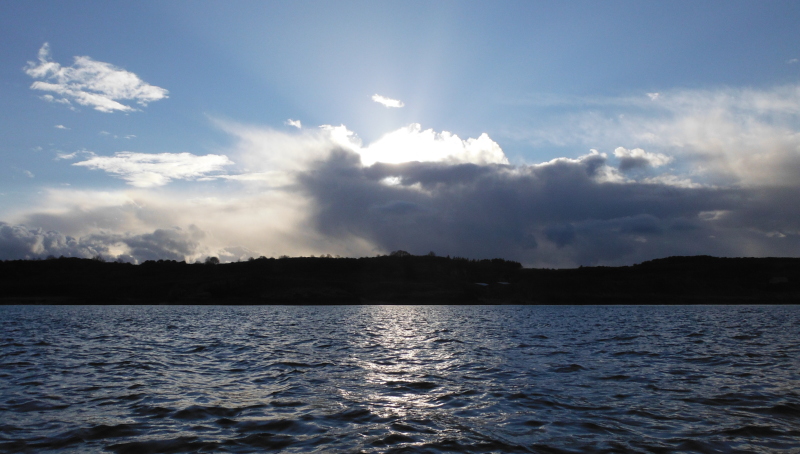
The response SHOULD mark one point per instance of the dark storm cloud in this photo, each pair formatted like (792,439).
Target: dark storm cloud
(631,163)
(169,244)
(560,234)
(400,208)
(768,209)
(555,212)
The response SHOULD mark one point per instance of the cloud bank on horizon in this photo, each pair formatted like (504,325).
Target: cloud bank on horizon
(724,181)
(664,171)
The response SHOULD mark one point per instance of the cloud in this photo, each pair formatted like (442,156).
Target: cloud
(412,143)
(51,98)
(653,96)
(267,150)
(61,127)
(171,244)
(475,210)
(698,172)
(21,242)
(295,123)
(28,173)
(244,215)
(147,170)
(638,158)
(272,156)
(671,180)
(560,213)
(792,61)
(262,209)
(60,155)
(90,83)
(388,102)
(719,136)
(127,136)
(560,234)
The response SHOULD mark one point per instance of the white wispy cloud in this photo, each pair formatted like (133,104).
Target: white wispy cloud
(148,170)
(90,83)
(127,136)
(62,155)
(60,127)
(388,102)
(723,136)
(51,98)
(295,123)
(792,61)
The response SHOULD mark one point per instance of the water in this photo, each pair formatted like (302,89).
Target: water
(400,379)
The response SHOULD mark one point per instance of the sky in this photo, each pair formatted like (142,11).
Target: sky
(557,134)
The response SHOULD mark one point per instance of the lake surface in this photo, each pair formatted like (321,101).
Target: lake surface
(549,379)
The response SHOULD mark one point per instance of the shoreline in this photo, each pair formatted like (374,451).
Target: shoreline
(409,280)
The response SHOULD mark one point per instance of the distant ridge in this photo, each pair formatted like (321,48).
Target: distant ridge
(399,279)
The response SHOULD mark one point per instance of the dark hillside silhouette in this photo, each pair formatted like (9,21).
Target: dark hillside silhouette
(400,278)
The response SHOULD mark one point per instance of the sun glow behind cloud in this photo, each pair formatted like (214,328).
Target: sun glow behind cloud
(415,144)
(322,190)
(412,143)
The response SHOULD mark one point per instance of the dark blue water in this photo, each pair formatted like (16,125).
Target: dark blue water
(400,379)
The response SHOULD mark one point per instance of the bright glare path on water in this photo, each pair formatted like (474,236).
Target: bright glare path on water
(400,379)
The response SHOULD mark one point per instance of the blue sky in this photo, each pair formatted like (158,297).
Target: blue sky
(554,133)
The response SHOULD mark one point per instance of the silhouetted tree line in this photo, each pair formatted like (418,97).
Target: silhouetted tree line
(398,278)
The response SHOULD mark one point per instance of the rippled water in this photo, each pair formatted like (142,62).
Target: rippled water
(400,379)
